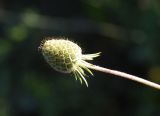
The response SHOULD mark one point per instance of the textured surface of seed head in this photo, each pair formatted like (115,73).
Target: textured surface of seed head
(61,54)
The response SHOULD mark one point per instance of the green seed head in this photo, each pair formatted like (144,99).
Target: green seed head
(66,56)
(61,54)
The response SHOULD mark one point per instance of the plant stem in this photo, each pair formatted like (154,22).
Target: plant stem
(124,75)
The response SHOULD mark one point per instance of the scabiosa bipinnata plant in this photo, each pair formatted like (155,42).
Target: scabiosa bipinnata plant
(66,56)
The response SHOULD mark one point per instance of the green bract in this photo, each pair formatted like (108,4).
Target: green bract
(66,56)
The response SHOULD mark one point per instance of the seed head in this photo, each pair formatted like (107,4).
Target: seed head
(66,57)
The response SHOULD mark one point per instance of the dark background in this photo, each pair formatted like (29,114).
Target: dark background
(127,32)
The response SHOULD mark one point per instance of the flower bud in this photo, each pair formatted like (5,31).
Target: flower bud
(66,57)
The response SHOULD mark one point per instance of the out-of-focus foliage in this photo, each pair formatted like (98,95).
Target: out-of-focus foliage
(127,32)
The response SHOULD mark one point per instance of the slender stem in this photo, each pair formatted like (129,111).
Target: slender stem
(124,75)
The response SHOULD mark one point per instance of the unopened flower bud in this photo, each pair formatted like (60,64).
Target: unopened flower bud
(66,57)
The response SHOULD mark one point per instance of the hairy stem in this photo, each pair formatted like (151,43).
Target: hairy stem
(124,75)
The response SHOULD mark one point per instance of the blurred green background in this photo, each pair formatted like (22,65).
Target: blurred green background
(127,32)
